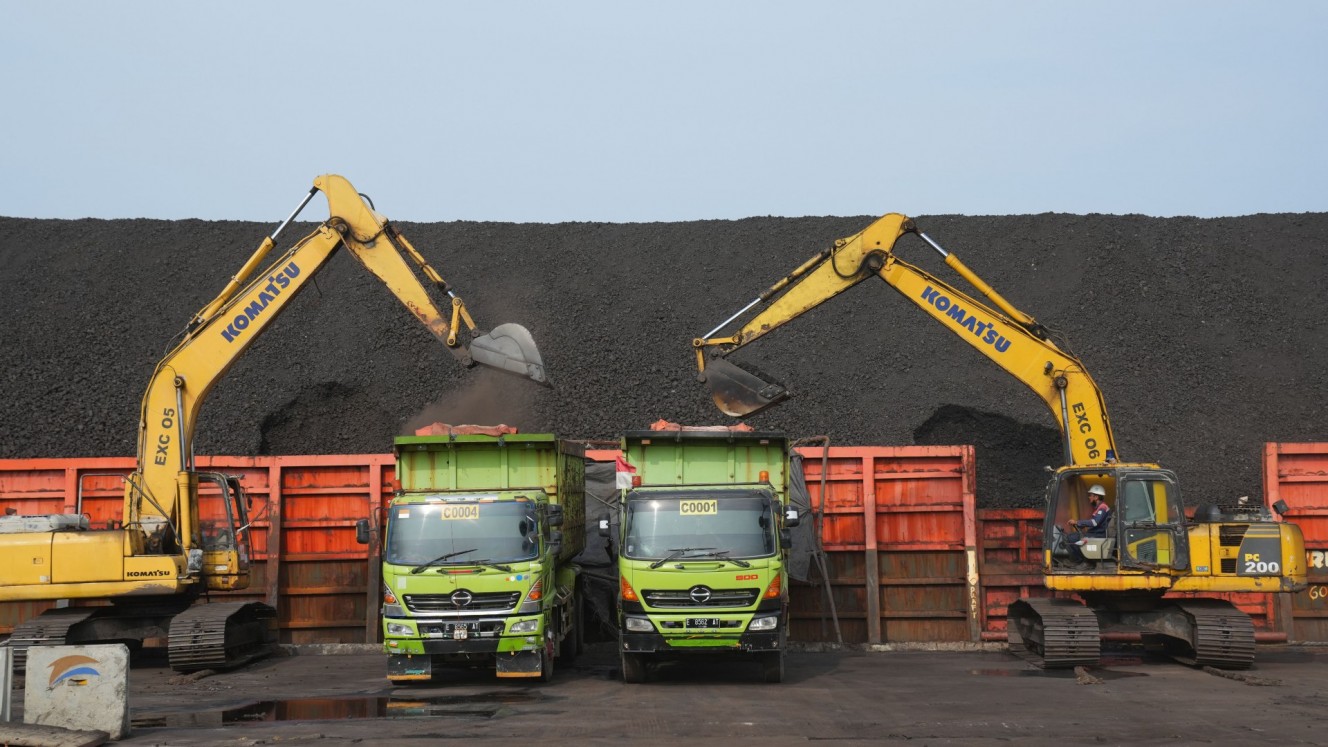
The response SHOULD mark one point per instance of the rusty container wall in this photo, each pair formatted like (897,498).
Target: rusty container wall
(325,583)
(898,532)
(1298,474)
(1009,563)
(303,510)
(898,529)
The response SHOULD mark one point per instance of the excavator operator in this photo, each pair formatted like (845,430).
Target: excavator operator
(1094,526)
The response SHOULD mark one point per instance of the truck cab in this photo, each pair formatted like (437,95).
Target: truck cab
(702,548)
(477,553)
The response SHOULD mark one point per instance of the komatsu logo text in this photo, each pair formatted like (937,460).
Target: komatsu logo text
(984,331)
(147,574)
(276,283)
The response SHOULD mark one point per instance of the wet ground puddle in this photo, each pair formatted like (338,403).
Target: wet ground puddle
(475,706)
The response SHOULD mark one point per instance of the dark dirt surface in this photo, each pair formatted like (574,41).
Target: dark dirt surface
(853,697)
(1205,335)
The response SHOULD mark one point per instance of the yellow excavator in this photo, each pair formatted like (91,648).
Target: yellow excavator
(186,532)
(1151,546)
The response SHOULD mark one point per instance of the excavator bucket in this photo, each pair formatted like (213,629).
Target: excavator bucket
(739,392)
(509,347)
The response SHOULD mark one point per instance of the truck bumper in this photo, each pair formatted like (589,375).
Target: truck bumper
(517,659)
(653,643)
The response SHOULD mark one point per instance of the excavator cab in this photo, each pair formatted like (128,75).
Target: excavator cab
(222,536)
(1145,529)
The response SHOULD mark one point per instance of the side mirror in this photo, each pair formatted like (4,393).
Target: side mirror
(555,542)
(362,531)
(785,539)
(791,518)
(555,516)
(604,527)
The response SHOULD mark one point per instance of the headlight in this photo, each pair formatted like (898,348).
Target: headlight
(639,625)
(399,629)
(764,623)
(393,610)
(525,626)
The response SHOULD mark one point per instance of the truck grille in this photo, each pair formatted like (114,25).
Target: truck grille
(462,601)
(691,598)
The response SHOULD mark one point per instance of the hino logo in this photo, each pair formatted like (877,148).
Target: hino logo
(461,598)
(699,594)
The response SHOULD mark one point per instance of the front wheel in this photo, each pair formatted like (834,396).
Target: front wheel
(772,666)
(546,662)
(633,668)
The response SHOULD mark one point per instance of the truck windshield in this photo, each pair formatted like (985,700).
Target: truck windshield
(728,523)
(492,531)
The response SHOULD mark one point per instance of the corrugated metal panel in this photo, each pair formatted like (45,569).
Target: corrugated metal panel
(899,530)
(899,534)
(1298,474)
(1009,563)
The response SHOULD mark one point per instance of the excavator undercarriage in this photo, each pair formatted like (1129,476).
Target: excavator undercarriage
(221,635)
(1054,633)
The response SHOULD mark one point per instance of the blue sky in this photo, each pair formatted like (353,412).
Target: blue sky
(685,110)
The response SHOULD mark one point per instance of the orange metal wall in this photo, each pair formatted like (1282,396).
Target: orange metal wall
(898,531)
(908,556)
(306,561)
(1298,474)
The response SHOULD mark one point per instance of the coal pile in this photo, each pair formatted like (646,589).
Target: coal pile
(1205,335)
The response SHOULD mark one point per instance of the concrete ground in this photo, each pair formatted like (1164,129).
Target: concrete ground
(845,695)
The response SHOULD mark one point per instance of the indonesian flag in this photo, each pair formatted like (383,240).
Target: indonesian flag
(624,473)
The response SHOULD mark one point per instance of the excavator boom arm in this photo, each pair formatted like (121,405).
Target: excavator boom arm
(1008,337)
(224,329)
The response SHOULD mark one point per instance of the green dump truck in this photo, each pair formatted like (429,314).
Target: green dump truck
(701,538)
(477,552)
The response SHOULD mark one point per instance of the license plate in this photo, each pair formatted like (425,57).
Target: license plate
(459,633)
(703,622)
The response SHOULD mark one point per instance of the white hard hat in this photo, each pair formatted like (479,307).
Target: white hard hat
(1098,490)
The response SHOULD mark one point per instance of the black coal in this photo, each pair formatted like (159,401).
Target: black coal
(1205,335)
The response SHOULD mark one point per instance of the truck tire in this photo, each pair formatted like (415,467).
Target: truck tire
(546,663)
(633,668)
(772,666)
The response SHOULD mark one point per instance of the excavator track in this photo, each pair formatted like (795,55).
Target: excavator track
(1053,633)
(1221,635)
(50,628)
(221,635)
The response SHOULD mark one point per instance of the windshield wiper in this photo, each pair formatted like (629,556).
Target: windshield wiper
(441,558)
(675,552)
(487,563)
(724,555)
